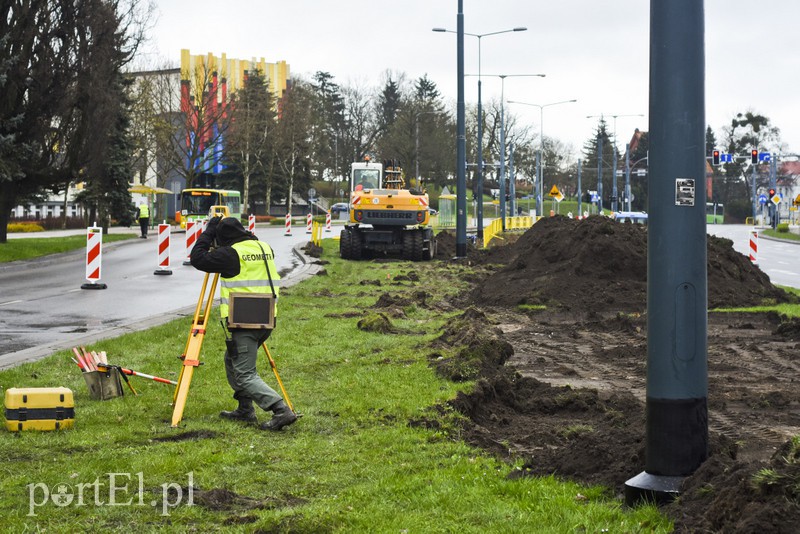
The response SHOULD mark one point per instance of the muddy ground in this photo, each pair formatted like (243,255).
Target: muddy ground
(562,337)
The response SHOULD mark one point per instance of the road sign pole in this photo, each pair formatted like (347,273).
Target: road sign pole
(676,440)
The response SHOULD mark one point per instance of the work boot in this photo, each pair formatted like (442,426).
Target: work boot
(282,416)
(245,412)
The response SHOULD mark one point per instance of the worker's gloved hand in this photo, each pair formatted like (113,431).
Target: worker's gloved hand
(211,226)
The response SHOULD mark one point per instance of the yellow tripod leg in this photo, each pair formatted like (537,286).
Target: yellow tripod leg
(277,376)
(191,353)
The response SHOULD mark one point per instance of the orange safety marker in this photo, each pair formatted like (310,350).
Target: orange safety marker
(288,224)
(309,221)
(94,257)
(163,249)
(328,221)
(251,224)
(754,247)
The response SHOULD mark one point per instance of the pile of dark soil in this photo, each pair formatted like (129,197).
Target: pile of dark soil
(726,495)
(574,433)
(480,348)
(597,264)
(568,399)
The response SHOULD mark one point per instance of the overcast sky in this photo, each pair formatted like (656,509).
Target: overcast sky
(595,51)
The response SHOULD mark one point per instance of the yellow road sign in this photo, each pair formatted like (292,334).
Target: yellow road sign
(554,192)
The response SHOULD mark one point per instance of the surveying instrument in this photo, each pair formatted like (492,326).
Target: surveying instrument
(191,353)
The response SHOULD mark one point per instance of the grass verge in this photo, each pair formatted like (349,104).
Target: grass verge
(27,248)
(355,462)
(787,309)
(790,236)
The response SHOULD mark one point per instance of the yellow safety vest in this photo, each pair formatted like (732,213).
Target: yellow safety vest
(144,212)
(252,277)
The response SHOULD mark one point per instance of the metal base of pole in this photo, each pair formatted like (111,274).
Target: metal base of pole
(187,262)
(94,286)
(656,489)
(162,271)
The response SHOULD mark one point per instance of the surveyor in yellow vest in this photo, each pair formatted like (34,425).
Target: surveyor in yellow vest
(245,265)
(143,214)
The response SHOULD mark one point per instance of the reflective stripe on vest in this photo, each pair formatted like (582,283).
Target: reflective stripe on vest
(252,277)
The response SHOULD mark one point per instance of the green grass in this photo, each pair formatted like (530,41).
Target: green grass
(781,235)
(790,310)
(27,248)
(352,463)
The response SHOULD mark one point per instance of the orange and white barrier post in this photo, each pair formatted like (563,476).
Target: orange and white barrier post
(288,224)
(94,257)
(251,224)
(193,230)
(309,220)
(754,247)
(328,221)
(163,249)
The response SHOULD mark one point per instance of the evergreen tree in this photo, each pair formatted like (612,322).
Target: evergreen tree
(592,148)
(388,105)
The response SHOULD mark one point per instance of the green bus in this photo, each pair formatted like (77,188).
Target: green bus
(196,203)
(715,213)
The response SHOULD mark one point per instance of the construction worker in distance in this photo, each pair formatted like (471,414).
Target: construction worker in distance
(246,265)
(143,214)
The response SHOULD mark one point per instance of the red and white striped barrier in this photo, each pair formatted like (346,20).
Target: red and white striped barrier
(251,224)
(193,231)
(328,221)
(163,250)
(94,257)
(288,224)
(309,221)
(754,247)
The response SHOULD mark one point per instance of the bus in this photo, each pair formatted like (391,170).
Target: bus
(196,203)
(715,213)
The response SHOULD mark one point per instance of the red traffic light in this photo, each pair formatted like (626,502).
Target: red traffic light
(771,193)
(754,156)
(715,157)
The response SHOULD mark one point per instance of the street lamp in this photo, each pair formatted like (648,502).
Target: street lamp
(479,188)
(503,140)
(540,178)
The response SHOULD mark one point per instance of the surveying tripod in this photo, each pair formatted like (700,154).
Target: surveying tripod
(191,352)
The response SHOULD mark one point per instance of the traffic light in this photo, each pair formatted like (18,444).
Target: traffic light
(754,156)
(771,193)
(715,157)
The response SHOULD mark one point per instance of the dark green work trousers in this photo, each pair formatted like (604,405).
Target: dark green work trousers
(241,371)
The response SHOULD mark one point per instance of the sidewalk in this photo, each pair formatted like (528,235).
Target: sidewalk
(82,231)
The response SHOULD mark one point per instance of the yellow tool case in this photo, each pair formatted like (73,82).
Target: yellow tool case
(39,409)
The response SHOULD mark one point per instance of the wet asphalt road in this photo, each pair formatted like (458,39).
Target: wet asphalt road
(43,308)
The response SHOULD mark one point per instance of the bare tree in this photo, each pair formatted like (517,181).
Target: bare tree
(292,148)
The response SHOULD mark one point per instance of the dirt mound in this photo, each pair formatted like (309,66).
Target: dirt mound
(599,265)
(570,398)
(469,348)
(571,432)
(726,495)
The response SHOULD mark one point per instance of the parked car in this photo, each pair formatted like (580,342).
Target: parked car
(339,207)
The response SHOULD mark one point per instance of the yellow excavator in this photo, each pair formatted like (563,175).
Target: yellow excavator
(385,217)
